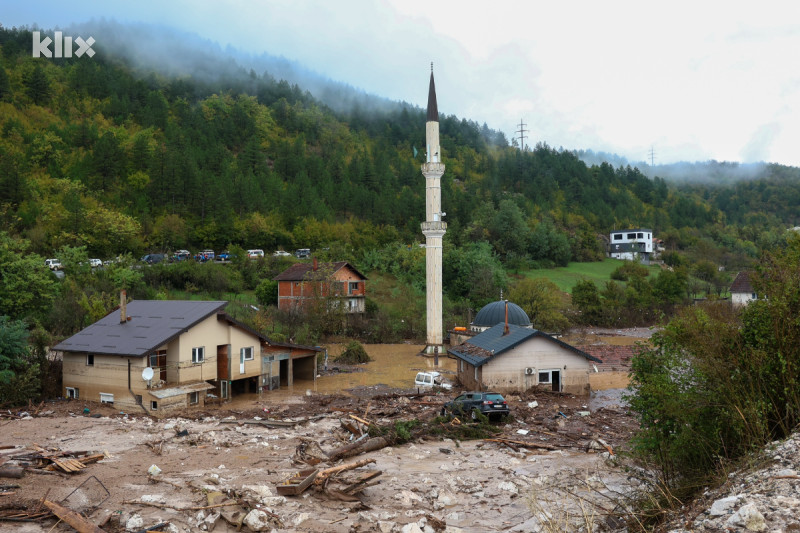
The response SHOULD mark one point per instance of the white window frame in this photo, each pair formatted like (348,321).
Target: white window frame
(549,372)
(89,359)
(198,354)
(194,398)
(153,405)
(107,397)
(75,393)
(245,351)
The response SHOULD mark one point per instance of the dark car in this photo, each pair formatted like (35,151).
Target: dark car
(491,404)
(153,259)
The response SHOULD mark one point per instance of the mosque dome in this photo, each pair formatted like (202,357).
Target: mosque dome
(495,313)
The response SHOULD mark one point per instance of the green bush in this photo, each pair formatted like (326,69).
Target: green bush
(353,354)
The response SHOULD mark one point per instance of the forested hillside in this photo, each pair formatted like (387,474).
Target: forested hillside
(95,153)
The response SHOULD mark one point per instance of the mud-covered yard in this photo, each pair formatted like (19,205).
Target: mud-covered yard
(217,466)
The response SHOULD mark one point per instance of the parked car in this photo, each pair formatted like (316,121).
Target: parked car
(208,254)
(53,264)
(302,253)
(491,404)
(181,255)
(431,379)
(152,259)
(281,253)
(94,263)
(255,254)
(226,256)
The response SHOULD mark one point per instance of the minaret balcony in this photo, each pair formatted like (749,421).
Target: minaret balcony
(433,168)
(434,227)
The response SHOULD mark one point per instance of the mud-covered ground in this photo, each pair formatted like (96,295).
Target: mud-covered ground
(556,447)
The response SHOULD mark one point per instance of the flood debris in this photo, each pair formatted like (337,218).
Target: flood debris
(81,524)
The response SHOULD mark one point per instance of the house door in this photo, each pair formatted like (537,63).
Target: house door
(241,361)
(556,378)
(223,389)
(158,361)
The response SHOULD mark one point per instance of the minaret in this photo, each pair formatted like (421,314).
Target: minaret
(433,228)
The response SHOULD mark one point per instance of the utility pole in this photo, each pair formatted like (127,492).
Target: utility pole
(652,155)
(522,131)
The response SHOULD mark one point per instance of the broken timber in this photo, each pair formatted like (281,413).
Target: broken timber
(266,423)
(81,524)
(358,447)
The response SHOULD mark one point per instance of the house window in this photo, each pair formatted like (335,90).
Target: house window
(476,373)
(640,235)
(618,236)
(247,353)
(89,359)
(72,393)
(353,287)
(153,360)
(153,405)
(194,397)
(106,397)
(545,377)
(198,354)
(631,235)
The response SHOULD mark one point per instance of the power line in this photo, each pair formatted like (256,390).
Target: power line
(522,131)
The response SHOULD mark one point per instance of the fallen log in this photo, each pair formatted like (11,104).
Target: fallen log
(350,450)
(12,471)
(523,444)
(72,518)
(363,482)
(323,475)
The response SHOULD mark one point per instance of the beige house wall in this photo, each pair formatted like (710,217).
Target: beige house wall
(506,373)
(108,375)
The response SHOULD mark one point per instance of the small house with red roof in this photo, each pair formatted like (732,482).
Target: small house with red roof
(305,283)
(742,291)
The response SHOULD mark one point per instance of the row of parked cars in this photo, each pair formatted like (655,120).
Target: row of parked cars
(55,264)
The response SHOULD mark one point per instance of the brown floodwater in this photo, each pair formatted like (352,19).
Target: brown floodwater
(392,365)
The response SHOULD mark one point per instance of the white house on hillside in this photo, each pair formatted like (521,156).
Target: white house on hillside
(631,244)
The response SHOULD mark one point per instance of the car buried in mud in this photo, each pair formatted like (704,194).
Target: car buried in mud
(490,404)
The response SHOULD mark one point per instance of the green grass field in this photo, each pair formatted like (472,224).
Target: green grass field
(566,277)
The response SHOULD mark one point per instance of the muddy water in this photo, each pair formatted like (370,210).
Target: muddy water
(393,365)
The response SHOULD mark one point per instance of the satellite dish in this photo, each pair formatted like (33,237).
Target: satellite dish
(147,374)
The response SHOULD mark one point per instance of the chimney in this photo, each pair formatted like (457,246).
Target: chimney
(123,311)
(505,330)
(315,264)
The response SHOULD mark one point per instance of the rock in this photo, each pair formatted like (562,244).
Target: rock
(210,521)
(299,519)
(447,498)
(258,520)
(407,497)
(134,523)
(749,517)
(723,506)
(508,487)
(385,526)
(411,528)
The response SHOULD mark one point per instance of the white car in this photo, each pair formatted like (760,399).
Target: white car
(431,379)
(281,253)
(94,263)
(53,264)
(255,254)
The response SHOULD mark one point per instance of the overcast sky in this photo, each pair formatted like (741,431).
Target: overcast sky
(693,80)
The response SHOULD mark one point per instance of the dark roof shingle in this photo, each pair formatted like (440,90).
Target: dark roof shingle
(491,343)
(152,323)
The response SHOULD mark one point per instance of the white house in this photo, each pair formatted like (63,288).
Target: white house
(742,291)
(631,244)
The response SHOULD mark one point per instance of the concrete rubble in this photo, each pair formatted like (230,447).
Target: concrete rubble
(761,498)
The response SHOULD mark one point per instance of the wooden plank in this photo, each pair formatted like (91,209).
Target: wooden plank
(81,524)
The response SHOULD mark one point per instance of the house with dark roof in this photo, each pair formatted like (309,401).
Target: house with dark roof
(510,358)
(161,355)
(304,284)
(742,291)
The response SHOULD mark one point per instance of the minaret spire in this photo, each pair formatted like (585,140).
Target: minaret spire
(434,227)
(433,110)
